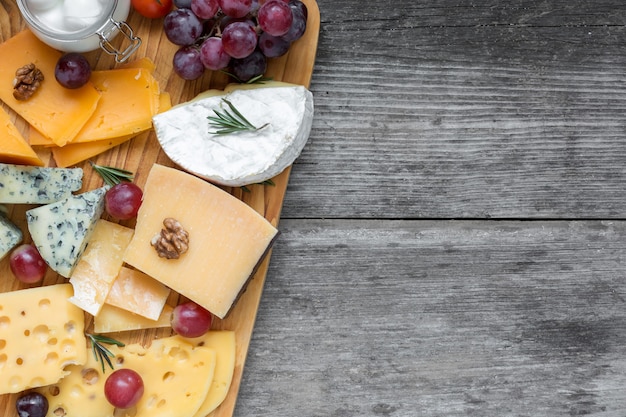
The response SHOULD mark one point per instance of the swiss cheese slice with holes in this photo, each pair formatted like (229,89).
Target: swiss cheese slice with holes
(224,344)
(41,333)
(176,377)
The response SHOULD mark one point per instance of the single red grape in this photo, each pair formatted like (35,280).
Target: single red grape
(275,17)
(205,9)
(212,54)
(72,70)
(187,62)
(123,200)
(239,39)
(235,8)
(27,264)
(191,320)
(123,388)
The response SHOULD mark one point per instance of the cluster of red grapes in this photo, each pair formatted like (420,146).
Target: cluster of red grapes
(235,36)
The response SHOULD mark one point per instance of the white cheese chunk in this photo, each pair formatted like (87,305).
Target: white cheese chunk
(23,184)
(245,157)
(10,236)
(61,230)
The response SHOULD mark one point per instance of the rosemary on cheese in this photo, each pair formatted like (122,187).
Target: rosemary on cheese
(100,352)
(232,121)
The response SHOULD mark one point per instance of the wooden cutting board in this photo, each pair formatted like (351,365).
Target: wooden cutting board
(140,153)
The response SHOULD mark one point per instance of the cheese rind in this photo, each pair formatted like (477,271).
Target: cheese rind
(176,376)
(10,236)
(40,334)
(138,293)
(98,267)
(22,184)
(227,238)
(61,230)
(245,157)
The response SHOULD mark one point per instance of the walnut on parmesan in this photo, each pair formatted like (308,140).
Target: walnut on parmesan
(245,157)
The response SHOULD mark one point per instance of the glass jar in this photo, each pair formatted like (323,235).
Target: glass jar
(81,25)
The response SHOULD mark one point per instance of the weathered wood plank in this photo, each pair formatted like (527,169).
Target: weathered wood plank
(432,318)
(467,111)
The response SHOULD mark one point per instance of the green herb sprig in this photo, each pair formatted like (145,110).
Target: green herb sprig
(112,176)
(100,352)
(230,121)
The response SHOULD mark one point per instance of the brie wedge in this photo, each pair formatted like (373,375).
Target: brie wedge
(282,112)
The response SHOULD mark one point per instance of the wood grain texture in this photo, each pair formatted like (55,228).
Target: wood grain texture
(139,154)
(459,109)
(441,318)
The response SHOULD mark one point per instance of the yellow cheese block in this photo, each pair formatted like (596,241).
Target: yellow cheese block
(40,334)
(223,343)
(57,112)
(138,293)
(129,99)
(227,238)
(13,147)
(113,319)
(74,153)
(99,265)
(176,377)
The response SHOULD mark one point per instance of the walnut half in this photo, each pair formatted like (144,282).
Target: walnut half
(172,241)
(27,80)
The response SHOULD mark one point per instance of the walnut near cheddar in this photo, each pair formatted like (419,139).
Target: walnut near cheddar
(227,238)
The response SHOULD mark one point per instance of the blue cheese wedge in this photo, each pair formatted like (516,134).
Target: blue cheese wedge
(23,184)
(61,230)
(283,114)
(10,236)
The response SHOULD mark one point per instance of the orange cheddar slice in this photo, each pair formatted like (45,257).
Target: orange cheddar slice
(13,147)
(73,153)
(130,97)
(35,138)
(57,112)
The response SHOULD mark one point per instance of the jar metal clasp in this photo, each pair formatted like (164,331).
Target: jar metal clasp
(108,32)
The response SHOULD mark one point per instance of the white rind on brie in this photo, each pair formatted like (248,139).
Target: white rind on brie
(244,157)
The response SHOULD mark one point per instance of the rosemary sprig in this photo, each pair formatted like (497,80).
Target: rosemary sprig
(111,175)
(100,352)
(230,121)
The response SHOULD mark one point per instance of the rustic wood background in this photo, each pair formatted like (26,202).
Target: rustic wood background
(453,235)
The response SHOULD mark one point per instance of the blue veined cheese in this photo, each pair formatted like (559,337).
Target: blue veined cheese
(241,158)
(24,184)
(61,230)
(10,236)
